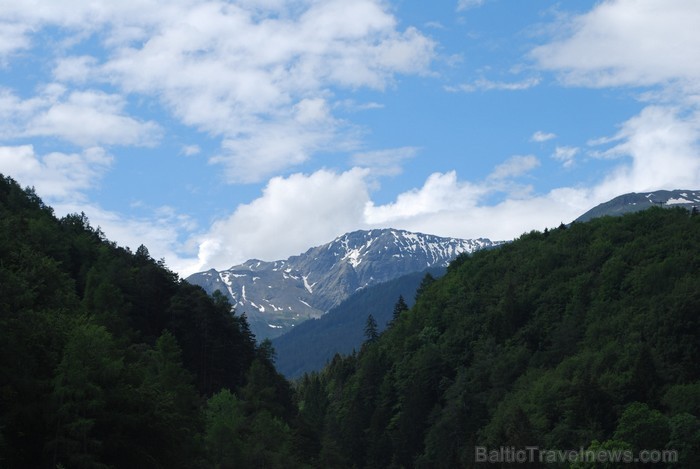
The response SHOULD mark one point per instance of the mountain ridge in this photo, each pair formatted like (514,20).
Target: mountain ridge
(636,201)
(276,295)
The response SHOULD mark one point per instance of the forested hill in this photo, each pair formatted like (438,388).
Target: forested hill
(109,360)
(579,337)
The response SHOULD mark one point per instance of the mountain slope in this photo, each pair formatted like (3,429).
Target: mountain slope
(311,344)
(634,202)
(275,296)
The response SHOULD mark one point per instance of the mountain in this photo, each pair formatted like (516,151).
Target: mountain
(312,344)
(275,296)
(634,202)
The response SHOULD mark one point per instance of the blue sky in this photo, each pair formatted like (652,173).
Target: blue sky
(214,131)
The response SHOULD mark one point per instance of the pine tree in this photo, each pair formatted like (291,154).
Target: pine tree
(371,329)
(399,308)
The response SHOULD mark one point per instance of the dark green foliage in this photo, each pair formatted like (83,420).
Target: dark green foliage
(566,339)
(225,426)
(108,359)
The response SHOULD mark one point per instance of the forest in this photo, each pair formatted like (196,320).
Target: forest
(582,336)
(109,360)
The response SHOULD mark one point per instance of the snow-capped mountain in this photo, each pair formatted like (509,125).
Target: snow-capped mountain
(634,202)
(277,295)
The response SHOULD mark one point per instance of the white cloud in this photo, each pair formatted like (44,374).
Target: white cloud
(628,42)
(449,207)
(191,150)
(467,4)
(350,105)
(540,136)
(483,84)
(57,176)
(656,149)
(74,68)
(291,215)
(384,162)
(515,166)
(13,37)
(273,146)
(566,155)
(85,118)
(296,212)
(440,193)
(92,118)
(663,145)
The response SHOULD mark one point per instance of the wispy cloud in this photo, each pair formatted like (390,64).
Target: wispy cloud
(540,136)
(384,162)
(515,166)
(351,105)
(483,84)
(566,155)
(467,4)
(191,150)
(85,118)
(61,177)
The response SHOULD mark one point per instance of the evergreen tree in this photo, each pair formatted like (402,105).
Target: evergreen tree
(399,308)
(371,333)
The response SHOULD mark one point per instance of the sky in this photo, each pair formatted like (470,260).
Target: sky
(218,131)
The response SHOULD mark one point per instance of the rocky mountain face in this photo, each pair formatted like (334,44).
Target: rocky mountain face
(275,296)
(634,202)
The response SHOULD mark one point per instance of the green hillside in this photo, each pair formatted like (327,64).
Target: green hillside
(579,337)
(109,360)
